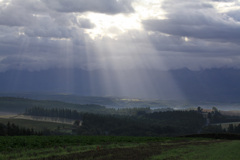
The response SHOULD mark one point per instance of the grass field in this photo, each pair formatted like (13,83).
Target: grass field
(117,148)
(208,151)
(39,125)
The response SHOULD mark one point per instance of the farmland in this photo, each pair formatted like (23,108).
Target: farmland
(39,125)
(50,130)
(114,147)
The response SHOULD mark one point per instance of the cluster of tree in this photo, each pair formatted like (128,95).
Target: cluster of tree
(169,123)
(233,128)
(216,117)
(219,129)
(191,119)
(54,112)
(76,114)
(13,130)
(130,111)
(138,122)
(213,129)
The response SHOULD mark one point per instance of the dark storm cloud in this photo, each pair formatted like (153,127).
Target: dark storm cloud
(225,31)
(101,6)
(34,37)
(195,47)
(15,16)
(50,27)
(198,20)
(31,12)
(21,13)
(235,15)
(203,23)
(37,35)
(85,23)
(195,35)
(47,54)
(46,27)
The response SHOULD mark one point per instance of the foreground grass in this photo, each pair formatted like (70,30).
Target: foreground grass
(44,147)
(221,151)
(117,148)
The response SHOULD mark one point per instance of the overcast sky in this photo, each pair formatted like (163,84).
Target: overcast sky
(119,34)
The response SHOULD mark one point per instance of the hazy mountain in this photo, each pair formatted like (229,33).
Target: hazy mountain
(213,84)
(221,85)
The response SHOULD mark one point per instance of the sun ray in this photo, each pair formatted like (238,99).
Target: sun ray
(126,73)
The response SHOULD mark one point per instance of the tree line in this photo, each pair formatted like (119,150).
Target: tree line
(54,112)
(10,129)
(140,122)
(170,123)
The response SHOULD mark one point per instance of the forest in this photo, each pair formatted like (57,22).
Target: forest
(142,122)
(107,133)
(92,119)
(13,130)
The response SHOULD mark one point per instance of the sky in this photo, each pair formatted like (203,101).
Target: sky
(121,44)
(119,34)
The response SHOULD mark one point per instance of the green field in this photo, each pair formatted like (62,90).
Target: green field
(117,148)
(120,124)
(38,125)
(208,151)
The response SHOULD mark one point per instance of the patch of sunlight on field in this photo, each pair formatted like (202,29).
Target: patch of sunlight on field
(6,115)
(216,151)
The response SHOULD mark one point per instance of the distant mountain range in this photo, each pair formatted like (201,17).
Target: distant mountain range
(220,85)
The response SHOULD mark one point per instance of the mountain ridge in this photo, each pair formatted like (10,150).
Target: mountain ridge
(204,85)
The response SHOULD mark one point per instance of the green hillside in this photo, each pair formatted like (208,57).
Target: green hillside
(19,105)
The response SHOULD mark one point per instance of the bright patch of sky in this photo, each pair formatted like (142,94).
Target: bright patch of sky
(226,6)
(113,25)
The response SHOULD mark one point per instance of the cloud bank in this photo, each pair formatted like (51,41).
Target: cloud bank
(101,6)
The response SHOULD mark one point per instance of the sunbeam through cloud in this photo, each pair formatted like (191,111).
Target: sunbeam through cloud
(117,47)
